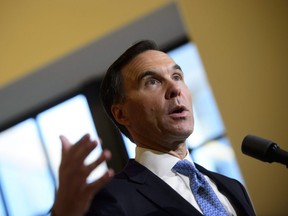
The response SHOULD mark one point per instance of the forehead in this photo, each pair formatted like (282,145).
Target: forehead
(151,60)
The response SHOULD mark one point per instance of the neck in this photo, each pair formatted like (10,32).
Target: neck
(179,150)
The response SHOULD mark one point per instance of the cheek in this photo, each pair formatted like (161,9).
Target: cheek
(144,106)
(146,113)
(154,106)
(188,96)
(137,109)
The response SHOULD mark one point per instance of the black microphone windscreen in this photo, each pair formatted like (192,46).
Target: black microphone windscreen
(257,147)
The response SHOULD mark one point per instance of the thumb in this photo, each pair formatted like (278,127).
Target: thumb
(66,145)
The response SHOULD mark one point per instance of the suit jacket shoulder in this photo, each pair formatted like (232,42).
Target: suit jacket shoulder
(136,191)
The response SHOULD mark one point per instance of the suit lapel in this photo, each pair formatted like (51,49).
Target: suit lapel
(157,191)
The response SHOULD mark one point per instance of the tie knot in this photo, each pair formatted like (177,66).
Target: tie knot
(185,167)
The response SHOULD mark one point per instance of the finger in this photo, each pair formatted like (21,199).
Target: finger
(86,149)
(95,186)
(84,139)
(106,155)
(66,145)
(83,148)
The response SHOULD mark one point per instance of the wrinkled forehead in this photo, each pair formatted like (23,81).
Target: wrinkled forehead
(151,60)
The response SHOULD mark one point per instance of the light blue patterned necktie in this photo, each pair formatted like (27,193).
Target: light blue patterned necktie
(204,194)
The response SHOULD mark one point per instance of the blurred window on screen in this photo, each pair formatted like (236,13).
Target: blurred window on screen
(26,181)
(2,207)
(71,118)
(30,155)
(130,146)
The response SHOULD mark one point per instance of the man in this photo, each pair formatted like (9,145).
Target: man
(145,95)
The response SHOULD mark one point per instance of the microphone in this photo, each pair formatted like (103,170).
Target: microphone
(264,150)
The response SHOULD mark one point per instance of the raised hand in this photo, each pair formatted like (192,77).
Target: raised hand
(74,194)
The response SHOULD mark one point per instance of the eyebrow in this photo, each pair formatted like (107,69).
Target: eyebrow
(177,67)
(151,73)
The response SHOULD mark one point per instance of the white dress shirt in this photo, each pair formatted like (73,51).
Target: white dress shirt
(179,182)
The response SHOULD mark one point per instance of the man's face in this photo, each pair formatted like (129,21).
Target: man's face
(157,110)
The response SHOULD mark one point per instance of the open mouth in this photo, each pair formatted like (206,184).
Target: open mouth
(178,109)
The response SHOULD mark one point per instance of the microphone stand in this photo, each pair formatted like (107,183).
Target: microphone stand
(278,155)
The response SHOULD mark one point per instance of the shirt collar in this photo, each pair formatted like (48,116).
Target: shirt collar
(165,162)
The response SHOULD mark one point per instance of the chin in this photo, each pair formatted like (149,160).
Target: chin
(182,134)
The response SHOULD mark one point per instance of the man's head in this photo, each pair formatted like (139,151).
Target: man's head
(148,97)
(112,85)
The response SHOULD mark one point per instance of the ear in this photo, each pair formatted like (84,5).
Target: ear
(118,111)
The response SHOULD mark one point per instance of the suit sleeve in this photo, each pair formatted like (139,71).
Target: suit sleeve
(104,204)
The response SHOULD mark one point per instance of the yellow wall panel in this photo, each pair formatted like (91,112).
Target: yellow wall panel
(34,33)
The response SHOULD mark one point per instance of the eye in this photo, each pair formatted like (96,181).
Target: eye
(177,77)
(152,82)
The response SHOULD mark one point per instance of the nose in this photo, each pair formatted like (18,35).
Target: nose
(173,90)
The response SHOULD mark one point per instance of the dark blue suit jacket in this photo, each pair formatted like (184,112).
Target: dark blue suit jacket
(136,191)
